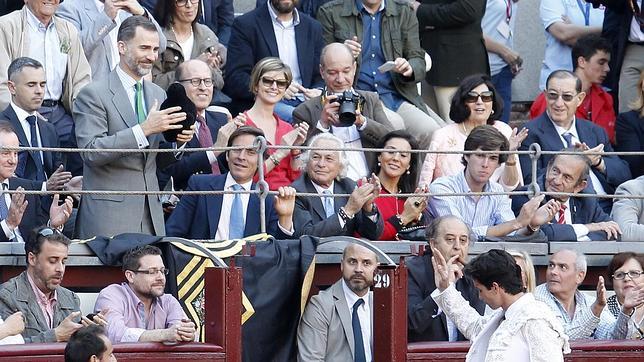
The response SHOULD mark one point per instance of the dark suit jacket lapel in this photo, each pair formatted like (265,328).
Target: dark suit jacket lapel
(551,134)
(9,114)
(252,214)
(213,204)
(121,103)
(304,52)
(265,23)
(341,307)
(316,202)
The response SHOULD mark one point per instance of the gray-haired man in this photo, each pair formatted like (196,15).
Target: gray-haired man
(327,215)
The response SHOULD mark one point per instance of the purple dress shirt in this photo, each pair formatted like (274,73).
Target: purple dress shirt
(126,317)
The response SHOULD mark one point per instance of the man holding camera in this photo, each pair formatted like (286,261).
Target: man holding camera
(338,69)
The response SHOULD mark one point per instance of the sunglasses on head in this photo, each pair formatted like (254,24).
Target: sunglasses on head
(553,96)
(281,83)
(45,232)
(473,97)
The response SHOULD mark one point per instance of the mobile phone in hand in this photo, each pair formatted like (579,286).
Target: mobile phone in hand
(387,66)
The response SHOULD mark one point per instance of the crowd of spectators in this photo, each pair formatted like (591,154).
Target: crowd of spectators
(93,75)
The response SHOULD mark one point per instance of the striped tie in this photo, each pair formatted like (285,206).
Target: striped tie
(561,219)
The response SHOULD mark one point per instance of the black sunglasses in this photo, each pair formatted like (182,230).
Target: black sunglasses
(473,97)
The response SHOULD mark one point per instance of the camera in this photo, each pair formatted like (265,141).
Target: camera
(349,102)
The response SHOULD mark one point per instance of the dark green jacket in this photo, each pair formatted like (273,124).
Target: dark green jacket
(341,20)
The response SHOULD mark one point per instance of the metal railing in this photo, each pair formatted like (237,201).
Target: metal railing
(261,146)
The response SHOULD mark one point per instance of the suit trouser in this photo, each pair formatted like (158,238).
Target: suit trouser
(418,123)
(632,67)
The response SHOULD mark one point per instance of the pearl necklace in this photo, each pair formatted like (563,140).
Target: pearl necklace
(177,35)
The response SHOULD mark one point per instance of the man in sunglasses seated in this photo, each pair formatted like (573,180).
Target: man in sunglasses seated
(51,312)
(590,57)
(558,128)
(138,310)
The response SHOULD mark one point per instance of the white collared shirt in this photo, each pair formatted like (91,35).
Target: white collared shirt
(285,38)
(599,189)
(26,127)
(227,204)
(114,51)
(128,84)
(364,314)
(50,51)
(10,233)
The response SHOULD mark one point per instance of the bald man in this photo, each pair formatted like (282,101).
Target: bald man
(196,77)
(325,332)
(338,69)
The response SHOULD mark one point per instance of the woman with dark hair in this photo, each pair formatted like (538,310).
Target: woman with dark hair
(187,40)
(398,173)
(629,132)
(475,103)
(269,80)
(625,273)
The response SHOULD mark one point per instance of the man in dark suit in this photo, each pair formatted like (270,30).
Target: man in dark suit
(254,37)
(20,213)
(194,74)
(558,128)
(451,237)
(27,87)
(332,216)
(578,218)
(222,217)
(338,69)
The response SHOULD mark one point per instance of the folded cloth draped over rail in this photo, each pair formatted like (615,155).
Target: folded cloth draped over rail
(276,282)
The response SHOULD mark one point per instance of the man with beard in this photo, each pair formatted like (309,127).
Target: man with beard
(579,218)
(138,310)
(51,312)
(122,112)
(275,29)
(336,324)
(426,321)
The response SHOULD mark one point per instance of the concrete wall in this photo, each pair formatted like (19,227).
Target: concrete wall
(529,41)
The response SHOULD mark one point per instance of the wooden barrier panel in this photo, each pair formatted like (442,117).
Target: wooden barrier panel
(131,352)
(223,310)
(390,313)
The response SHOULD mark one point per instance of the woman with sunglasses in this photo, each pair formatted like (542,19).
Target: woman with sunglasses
(397,171)
(625,272)
(187,40)
(269,80)
(629,132)
(475,103)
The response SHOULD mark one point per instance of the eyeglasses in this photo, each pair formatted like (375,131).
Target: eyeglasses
(633,274)
(153,271)
(553,96)
(281,83)
(185,2)
(473,97)
(197,81)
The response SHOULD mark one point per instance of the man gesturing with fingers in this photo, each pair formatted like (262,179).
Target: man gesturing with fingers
(519,329)
(581,317)
(51,312)
(122,113)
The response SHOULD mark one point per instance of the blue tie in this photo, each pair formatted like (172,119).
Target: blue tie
(36,154)
(4,210)
(328,203)
(236,225)
(357,333)
(568,137)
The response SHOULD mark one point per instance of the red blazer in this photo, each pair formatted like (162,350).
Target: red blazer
(601,110)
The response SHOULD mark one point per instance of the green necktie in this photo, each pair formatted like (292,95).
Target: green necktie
(138,99)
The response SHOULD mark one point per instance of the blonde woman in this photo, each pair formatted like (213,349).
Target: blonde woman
(528,276)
